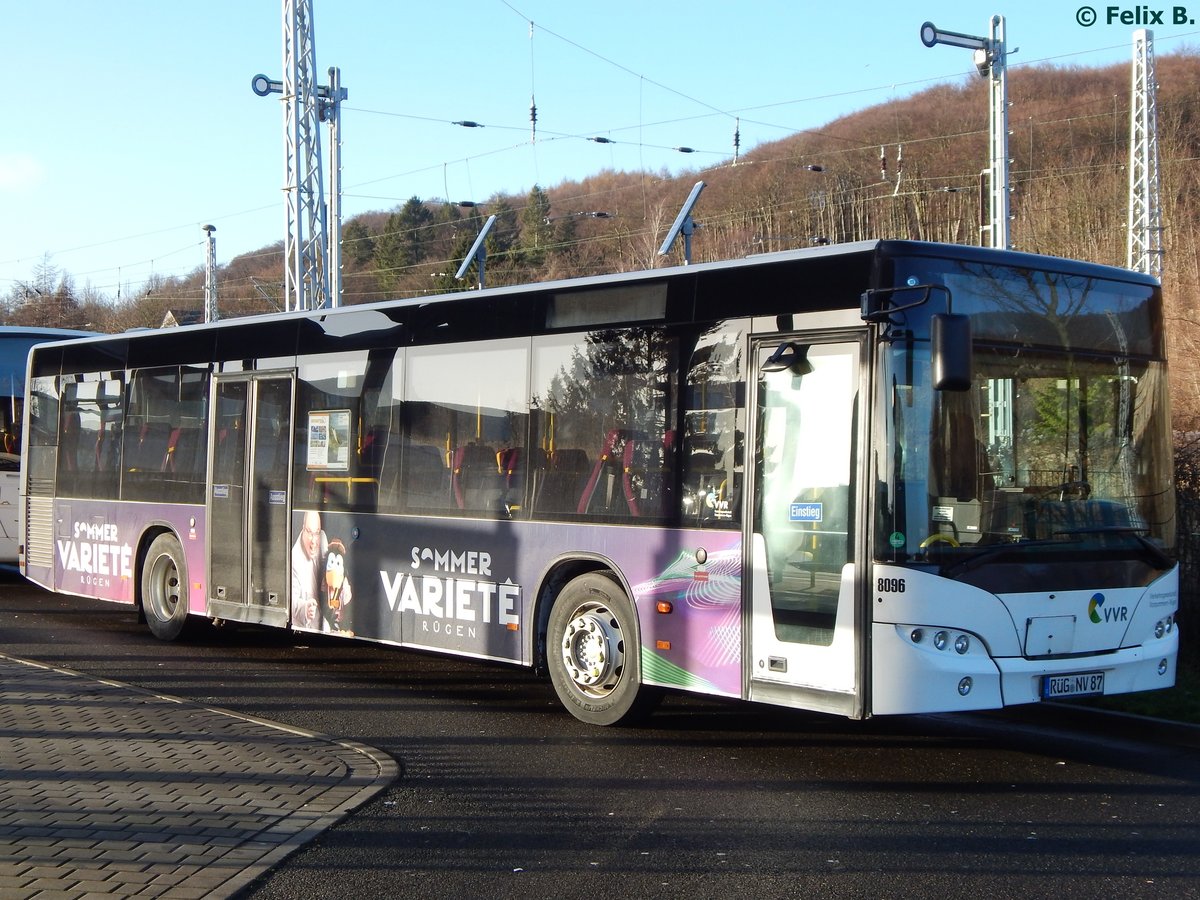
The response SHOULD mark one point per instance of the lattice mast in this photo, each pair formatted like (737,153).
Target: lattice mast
(306,238)
(1145,222)
(210,274)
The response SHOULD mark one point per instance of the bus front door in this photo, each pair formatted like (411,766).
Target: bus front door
(804,649)
(248,498)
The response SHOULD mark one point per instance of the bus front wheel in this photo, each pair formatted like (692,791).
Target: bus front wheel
(164,588)
(593,655)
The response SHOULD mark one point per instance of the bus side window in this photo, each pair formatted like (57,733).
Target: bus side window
(714,429)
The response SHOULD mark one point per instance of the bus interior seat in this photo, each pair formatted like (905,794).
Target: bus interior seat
(370,452)
(599,493)
(647,475)
(386,453)
(230,452)
(101,434)
(183,447)
(424,479)
(565,475)
(475,477)
(68,443)
(517,469)
(149,450)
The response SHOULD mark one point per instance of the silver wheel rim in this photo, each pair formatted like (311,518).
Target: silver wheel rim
(164,587)
(593,650)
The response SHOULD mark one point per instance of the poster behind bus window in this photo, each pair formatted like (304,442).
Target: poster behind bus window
(329,440)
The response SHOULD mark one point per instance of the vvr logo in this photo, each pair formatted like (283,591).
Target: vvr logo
(1098,613)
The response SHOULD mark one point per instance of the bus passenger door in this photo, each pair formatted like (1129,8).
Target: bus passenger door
(805,597)
(248,498)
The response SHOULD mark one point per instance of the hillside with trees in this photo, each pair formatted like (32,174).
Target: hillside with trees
(905,169)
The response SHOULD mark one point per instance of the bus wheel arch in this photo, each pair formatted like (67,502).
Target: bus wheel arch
(592,648)
(162,581)
(552,584)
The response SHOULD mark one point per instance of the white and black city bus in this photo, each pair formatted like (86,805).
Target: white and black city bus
(877,478)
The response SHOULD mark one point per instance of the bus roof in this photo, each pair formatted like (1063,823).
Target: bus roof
(15,341)
(861,254)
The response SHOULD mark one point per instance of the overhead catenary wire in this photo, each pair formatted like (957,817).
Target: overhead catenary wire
(783,158)
(738,115)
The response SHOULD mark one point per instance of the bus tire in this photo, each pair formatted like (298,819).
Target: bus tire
(593,655)
(164,588)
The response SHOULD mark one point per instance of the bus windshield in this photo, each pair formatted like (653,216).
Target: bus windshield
(1060,450)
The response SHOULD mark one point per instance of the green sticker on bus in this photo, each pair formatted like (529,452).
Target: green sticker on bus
(896,540)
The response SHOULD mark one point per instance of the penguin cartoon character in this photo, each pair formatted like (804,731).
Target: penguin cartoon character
(336,587)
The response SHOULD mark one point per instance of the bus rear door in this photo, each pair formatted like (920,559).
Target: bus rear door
(250,456)
(806,600)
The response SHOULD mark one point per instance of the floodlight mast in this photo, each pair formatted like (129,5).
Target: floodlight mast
(311,276)
(307,239)
(210,274)
(991,61)
(684,225)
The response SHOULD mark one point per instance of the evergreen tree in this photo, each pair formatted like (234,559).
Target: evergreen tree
(403,243)
(357,243)
(536,229)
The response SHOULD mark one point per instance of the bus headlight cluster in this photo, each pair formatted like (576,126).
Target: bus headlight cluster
(942,639)
(1164,626)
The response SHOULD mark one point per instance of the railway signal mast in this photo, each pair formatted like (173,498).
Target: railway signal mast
(990,60)
(312,278)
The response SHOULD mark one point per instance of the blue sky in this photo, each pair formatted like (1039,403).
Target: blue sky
(129,125)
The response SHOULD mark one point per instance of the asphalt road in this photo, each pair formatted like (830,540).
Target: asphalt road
(503,794)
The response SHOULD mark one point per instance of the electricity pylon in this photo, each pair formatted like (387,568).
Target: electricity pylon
(310,277)
(1145,217)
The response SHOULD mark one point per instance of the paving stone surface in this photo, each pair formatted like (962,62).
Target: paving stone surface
(107,790)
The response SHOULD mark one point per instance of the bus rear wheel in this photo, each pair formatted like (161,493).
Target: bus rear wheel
(164,588)
(593,655)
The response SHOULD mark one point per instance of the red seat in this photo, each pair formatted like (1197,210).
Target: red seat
(607,467)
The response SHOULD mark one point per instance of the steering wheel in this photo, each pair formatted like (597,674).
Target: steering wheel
(939,539)
(1079,490)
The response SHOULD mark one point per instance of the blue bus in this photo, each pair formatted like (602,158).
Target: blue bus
(15,344)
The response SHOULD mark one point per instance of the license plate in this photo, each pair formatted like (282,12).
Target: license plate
(1078,685)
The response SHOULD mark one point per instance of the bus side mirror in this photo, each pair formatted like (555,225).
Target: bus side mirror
(789,356)
(952,362)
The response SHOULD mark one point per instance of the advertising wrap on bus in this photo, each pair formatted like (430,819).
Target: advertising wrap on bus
(95,549)
(466,587)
